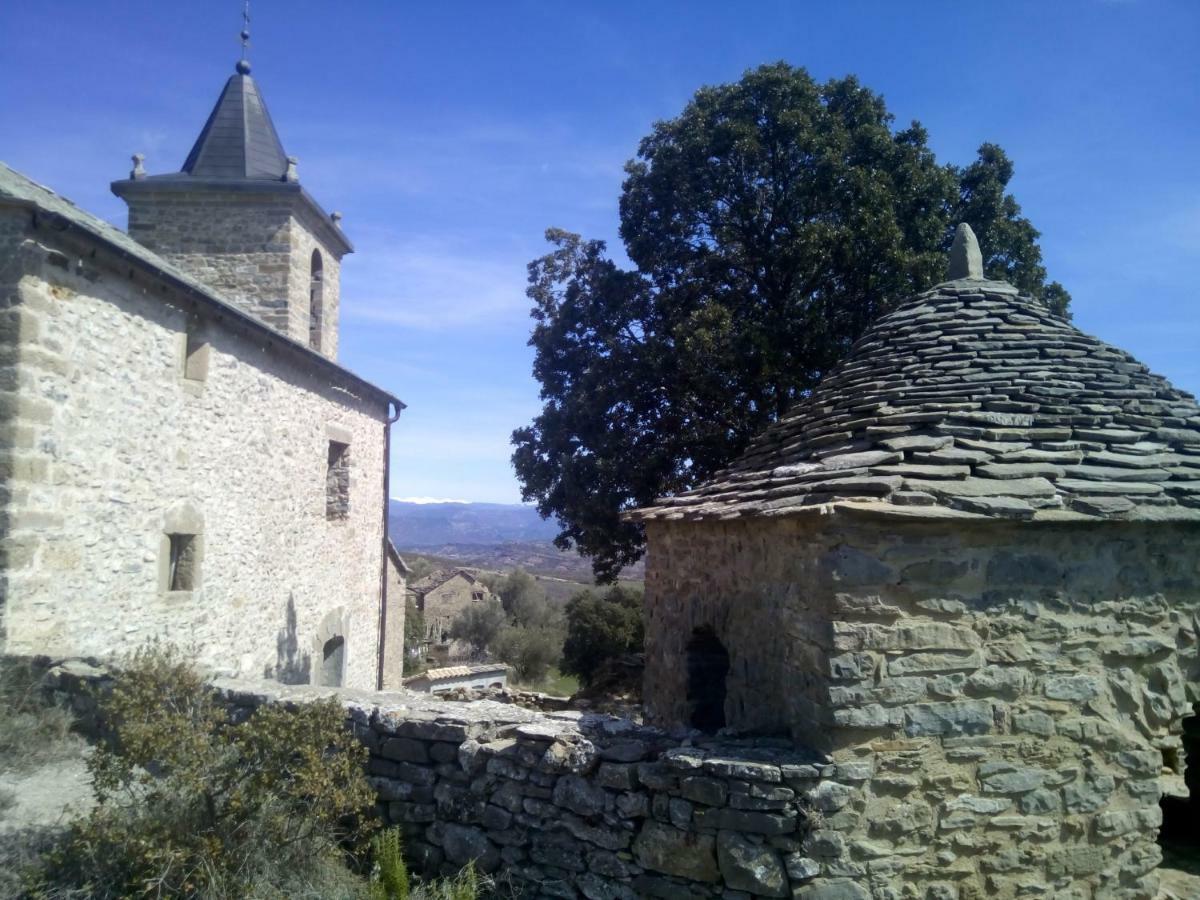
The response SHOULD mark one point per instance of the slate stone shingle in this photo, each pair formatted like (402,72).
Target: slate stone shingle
(1029,417)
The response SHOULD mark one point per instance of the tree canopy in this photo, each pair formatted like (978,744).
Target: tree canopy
(768,225)
(479,625)
(600,627)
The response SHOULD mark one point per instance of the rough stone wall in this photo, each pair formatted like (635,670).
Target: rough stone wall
(567,804)
(393,638)
(17,460)
(118,450)
(1008,691)
(253,249)
(303,242)
(574,805)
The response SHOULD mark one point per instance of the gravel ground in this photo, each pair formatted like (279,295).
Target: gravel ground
(45,796)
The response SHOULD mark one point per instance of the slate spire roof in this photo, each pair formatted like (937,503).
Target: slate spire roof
(971,400)
(239,140)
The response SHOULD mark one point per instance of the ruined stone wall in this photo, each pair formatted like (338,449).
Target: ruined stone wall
(1010,692)
(117,449)
(445,603)
(255,250)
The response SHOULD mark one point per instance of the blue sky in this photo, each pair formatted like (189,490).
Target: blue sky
(451,135)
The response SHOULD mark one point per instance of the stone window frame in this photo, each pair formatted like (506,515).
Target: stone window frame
(181,521)
(337,436)
(195,352)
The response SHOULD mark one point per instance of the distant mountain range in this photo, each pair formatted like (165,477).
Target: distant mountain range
(433,524)
(493,536)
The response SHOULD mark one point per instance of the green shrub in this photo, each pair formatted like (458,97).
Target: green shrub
(190,805)
(530,650)
(600,627)
(389,880)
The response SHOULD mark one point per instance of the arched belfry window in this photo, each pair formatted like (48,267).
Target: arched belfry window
(316,288)
(707,668)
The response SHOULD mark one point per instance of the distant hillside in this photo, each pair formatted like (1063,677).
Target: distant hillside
(426,524)
(491,536)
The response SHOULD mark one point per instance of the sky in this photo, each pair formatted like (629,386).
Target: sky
(451,135)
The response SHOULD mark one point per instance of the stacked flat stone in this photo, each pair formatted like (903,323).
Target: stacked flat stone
(972,400)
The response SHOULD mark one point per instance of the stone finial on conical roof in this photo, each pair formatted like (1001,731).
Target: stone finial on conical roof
(965,259)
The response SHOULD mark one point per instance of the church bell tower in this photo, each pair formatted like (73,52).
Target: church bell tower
(236,218)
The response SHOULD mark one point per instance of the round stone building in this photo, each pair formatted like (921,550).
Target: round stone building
(968,568)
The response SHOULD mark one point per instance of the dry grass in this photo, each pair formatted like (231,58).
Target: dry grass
(34,730)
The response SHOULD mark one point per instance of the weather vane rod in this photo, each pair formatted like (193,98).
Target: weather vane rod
(243,65)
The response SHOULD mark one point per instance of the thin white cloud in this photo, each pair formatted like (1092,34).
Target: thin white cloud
(430,285)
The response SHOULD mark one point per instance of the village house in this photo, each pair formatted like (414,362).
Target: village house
(183,456)
(967,567)
(459,678)
(441,597)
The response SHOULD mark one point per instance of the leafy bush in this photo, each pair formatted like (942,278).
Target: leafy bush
(191,805)
(600,627)
(530,651)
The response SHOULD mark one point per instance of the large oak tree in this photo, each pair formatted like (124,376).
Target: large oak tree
(768,225)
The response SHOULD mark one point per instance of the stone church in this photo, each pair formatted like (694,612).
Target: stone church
(183,456)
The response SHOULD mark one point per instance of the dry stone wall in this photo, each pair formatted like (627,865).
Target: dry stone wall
(1012,695)
(112,448)
(568,804)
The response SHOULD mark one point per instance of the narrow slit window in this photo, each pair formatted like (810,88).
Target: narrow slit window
(181,567)
(316,299)
(195,354)
(337,481)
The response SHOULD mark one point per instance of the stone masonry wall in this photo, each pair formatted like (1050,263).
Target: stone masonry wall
(1010,692)
(568,804)
(253,249)
(303,243)
(114,449)
(393,638)
(573,805)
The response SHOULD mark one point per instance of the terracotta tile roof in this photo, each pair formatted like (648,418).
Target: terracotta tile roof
(458,672)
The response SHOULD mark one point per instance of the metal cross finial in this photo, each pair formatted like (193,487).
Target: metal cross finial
(243,65)
(245,27)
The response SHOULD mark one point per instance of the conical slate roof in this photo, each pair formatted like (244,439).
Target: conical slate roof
(971,400)
(239,140)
